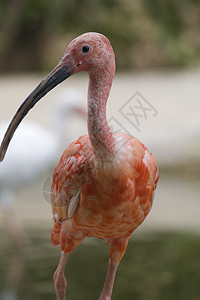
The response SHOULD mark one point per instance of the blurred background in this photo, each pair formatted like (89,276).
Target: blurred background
(157,47)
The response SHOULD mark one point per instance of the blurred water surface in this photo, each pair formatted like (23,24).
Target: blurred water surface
(162,265)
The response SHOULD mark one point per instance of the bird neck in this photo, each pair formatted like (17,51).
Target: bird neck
(100,134)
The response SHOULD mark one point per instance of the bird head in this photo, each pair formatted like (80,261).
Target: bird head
(91,52)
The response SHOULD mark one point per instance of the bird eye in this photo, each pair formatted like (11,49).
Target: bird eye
(86,49)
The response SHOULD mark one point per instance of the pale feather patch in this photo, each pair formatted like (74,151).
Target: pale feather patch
(74,201)
(55,217)
(147,158)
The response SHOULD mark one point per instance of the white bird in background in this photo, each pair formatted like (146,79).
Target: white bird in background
(34,150)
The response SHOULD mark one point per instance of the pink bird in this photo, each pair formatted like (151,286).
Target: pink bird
(103,184)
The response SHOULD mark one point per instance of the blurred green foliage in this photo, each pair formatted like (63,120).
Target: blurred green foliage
(144,33)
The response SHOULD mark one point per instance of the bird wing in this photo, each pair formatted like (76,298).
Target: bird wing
(66,185)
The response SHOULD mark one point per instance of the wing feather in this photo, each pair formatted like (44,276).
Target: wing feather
(66,185)
(73,204)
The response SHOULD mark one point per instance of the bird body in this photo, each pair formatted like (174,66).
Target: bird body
(31,152)
(113,197)
(103,184)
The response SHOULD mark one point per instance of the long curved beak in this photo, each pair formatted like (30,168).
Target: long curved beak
(56,76)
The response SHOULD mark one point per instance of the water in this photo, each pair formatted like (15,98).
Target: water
(162,265)
(161,262)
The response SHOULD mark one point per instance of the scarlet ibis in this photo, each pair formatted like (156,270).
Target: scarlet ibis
(104,182)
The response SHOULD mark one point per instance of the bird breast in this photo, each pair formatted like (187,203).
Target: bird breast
(116,194)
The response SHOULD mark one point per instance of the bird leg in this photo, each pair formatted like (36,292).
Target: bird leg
(117,250)
(60,282)
(109,281)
